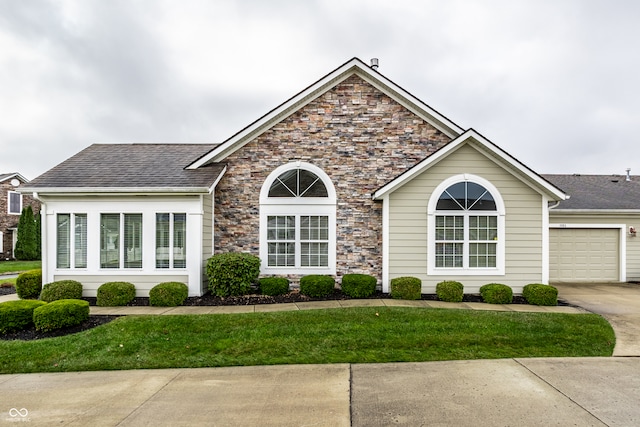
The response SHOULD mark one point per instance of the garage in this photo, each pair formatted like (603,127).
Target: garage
(584,254)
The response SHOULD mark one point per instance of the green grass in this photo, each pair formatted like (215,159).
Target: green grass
(356,335)
(18,266)
(8,281)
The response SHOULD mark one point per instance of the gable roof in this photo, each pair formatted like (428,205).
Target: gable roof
(136,168)
(352,67)
(7,176)
(471,136)
(598,192)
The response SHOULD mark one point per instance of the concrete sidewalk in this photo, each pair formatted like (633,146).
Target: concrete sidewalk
(507,392)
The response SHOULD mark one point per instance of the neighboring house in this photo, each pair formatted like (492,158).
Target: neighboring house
(11,204)
(351,175)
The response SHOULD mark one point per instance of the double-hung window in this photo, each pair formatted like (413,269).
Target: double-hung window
(297,221)
(15,203)
(120,240)
(467,229)
(71,240)
(171,235)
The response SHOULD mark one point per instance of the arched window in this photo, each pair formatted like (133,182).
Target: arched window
(298,221)
(466,227)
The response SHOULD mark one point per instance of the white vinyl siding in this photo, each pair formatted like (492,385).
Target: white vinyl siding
(408,248)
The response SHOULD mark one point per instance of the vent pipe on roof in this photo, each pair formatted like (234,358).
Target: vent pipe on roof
(374,63)
(628,174)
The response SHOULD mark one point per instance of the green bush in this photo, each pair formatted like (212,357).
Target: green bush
(29,284)
(316,285)
(60,314)
(168,294)
(17,315)
(62,289)
(496,293)
(232,273)
(358,285)
(450,291)
(406,288)
(274,285)
(27,241)
(112,294)
(539,294)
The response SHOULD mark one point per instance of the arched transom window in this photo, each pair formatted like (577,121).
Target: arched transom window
(467,228)
(297,221)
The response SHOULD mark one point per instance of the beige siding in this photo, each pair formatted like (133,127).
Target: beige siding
(632,244)
(523,221)
(143,283)
(207,235)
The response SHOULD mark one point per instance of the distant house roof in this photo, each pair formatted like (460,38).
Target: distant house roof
(130,168)
(6,176)
(598,192)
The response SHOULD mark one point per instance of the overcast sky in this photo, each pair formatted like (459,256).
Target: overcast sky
(554,83)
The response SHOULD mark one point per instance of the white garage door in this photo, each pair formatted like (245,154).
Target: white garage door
(584,254)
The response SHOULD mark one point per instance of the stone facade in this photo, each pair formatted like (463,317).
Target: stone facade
(8,221)
(360,137)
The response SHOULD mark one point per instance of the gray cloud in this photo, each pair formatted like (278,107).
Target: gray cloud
(553,83)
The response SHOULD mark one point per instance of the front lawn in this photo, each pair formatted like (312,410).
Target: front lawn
(18,266)
(355,335)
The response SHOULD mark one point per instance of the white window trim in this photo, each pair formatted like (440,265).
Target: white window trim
(172,247)
(299,206)
(499,269)
(72,242)
(9,193)
(1,242)
(121,243)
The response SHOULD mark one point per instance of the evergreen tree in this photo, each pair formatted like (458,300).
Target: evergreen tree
(26,245)
(38,236)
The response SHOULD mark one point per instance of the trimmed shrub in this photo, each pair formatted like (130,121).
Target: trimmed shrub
(29,284)
(406,288)
(17,315)
(112,294)
(27,241)
(168,294)
(358,285)
(496,293)
(450,291)
(232,273)
(274,285)
(317,285)
(539,294)
(62,289)
(60,314)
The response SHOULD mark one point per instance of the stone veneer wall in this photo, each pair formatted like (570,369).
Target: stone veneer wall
(10,221)
(360,137)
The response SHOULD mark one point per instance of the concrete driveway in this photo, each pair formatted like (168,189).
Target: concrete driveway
(619,303)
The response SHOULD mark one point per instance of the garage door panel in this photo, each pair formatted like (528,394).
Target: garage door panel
(584,254)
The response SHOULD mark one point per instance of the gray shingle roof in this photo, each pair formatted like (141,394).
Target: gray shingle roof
(131,166)
(599,192)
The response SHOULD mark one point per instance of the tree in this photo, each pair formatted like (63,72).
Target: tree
(27,245)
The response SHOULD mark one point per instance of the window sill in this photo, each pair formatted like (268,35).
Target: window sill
(466,271)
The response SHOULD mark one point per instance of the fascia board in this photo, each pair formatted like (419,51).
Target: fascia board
(15,175)
(452,146)
(559,211)
(354,66)
(110,191)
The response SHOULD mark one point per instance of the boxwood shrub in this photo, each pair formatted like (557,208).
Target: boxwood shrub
(168,294)
(112,294)
(539,294)
(358,285)
(62,289)
(406,287)
(232,273)
(450,291)
(60,314)
(317,285)
(17,315)
(274,285)
(496,293)
(29,284)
